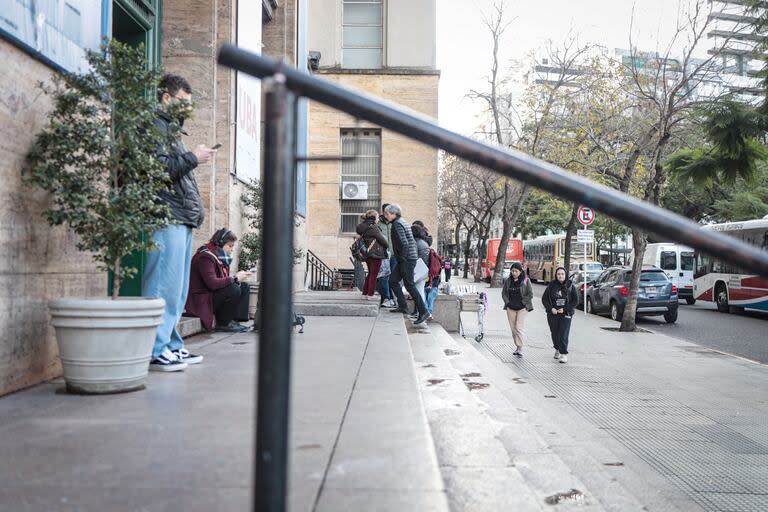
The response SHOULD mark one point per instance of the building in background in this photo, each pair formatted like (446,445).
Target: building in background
(385,48)
(41,38)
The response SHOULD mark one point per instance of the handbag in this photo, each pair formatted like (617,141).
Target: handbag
(420,271)
(360,250)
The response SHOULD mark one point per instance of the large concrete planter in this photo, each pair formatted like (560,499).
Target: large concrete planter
(105,345)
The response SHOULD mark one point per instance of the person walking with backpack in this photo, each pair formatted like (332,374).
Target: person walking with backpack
(517,294)
(404,250)
(560,300)
(377,245)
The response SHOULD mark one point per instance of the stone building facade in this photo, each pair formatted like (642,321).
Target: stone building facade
(42,262)
(386,49)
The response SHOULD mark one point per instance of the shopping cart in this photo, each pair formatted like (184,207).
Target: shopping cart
(470,301)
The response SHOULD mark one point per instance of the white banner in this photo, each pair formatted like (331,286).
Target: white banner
(247,134)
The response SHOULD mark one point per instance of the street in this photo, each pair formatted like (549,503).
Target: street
(744,335)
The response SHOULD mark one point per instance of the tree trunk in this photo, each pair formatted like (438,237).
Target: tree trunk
(569,234)
(465,268)
(639,242)
(511,214)
(478,272)
(116,281)
(457,239)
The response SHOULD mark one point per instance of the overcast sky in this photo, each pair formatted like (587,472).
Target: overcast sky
(464,45)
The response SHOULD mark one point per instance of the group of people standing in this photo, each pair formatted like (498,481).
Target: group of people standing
(560,300)
(400,255)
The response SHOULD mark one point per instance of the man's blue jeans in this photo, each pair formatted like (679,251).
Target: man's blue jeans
(167,276)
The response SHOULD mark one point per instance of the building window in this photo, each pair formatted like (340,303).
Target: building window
(361,176)
(362,37)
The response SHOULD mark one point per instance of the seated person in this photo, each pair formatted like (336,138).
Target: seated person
(213,292)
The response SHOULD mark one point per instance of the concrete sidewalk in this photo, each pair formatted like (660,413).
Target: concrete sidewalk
(676,425)
(359,439)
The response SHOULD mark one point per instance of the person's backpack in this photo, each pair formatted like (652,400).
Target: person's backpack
(359,249)
(435,264)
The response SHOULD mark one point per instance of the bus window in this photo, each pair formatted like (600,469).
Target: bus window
(765,241)
(668,260)
(703,265)
(686,260)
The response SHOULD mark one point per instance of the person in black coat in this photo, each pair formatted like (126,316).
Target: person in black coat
(404,249)
(560,300)
(377,246)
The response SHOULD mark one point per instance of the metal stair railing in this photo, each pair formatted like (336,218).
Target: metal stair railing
(319,276)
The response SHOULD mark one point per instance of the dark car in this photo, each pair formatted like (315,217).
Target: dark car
(577,278)
(656,296)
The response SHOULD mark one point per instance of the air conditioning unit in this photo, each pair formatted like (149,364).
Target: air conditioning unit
(355,190)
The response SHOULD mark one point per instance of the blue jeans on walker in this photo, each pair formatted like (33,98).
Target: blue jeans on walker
(431,296)
(166,275)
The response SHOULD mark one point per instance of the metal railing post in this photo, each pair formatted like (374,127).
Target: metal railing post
(274,354)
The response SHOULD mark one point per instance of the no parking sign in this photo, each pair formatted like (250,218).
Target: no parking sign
(586,215)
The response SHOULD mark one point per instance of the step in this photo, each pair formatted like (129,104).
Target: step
(189,326)
(334,303)
(384,458)
(491,450)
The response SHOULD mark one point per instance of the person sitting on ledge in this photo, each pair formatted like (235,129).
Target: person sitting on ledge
(213,292)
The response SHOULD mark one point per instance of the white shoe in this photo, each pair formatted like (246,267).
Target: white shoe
(563,358)
(557,354)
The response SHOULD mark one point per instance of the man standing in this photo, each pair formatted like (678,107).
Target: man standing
(166,273)
(404,250)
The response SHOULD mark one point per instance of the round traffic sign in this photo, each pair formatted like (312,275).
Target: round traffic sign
(586,215)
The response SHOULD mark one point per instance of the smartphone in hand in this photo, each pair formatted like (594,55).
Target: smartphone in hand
(217,145)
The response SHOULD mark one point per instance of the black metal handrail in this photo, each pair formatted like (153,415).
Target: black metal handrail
(510,163)
(271,458)
(320,276)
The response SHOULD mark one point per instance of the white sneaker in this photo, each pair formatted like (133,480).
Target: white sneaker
(167,362)
(557,354)
(563,358)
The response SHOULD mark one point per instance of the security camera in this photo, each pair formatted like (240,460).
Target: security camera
(314,60)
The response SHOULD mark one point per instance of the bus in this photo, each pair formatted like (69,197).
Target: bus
(729,287)
(545,253)
(514,253)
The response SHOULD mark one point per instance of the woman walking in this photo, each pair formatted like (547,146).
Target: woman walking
(560,300)
(377,249)
(517,294)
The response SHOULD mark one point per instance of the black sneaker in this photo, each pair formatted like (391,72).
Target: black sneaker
(231,327)
(421,320)
(186,356)
(167,362)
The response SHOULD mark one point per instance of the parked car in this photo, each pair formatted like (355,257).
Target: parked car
(594,269)
(677,261)
(578,280)
(657,294)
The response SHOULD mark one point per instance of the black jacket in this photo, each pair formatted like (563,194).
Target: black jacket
(403,244)
(370,231)
(560,296)
(182,196)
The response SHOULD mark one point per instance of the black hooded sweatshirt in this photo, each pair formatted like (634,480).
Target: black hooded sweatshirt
(561,296)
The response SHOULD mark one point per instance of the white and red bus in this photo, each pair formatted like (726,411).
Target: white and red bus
(724,284)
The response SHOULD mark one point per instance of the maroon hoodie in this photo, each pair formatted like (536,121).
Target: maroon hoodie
(206,275)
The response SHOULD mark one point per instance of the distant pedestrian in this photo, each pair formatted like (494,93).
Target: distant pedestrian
(517,294)
(447,268)
(382,285)
(560,300)
(404,250)
(422,249)
(377,246)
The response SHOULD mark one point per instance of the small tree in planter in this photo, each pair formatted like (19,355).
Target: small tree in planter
(96,157)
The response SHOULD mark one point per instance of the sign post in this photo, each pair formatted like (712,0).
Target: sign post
(586,216)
